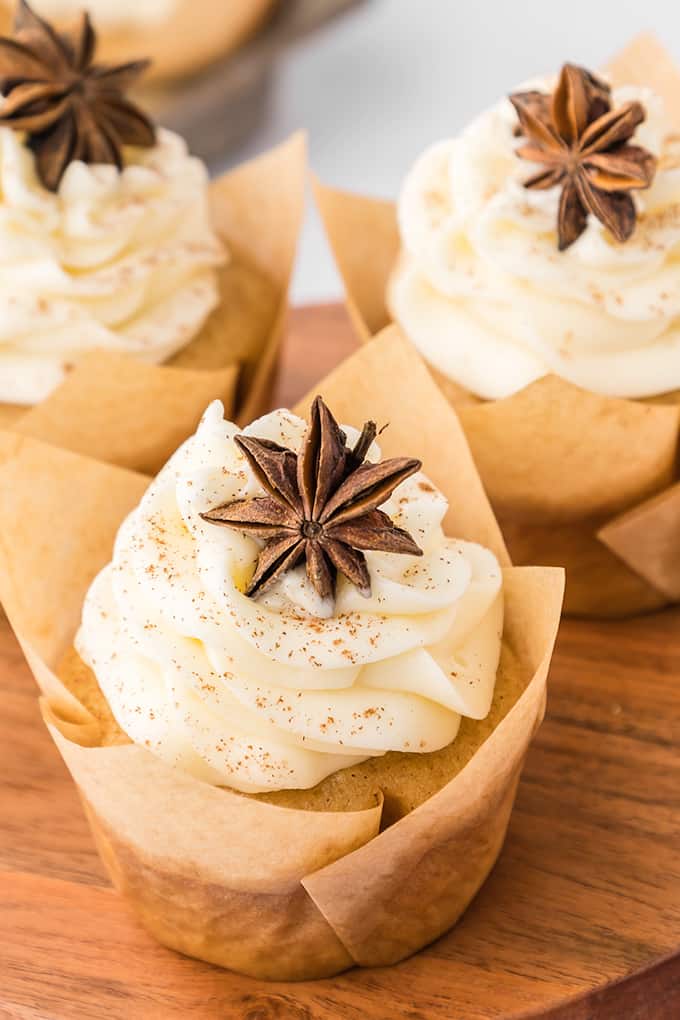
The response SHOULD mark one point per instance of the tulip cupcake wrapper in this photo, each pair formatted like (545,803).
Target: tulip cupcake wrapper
(117,409)
(575,479)
(270,891)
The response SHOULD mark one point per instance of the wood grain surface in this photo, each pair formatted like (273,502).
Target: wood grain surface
(580,919)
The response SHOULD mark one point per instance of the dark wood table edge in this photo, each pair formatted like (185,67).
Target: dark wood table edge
(651,993)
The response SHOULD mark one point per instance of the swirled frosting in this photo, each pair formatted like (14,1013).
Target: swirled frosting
(491,303)
(280,692)
(109,13)
(120,260)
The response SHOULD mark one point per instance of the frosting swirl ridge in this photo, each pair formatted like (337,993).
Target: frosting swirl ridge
(120,260)
(277,692)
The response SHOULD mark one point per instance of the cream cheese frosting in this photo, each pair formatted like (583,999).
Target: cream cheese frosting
(110,13)
(483,292)
(279,692)
(119,260)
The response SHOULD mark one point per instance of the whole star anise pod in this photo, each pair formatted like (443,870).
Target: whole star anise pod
(584,146)
(321,505)
(69,107)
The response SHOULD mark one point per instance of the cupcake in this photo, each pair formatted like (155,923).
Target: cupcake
(181,36)
(530,260)
(116,242)
(297,697)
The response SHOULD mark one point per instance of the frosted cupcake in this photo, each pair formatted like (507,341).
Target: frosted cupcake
(264,626)
(542,240)
(181,36)
(112,238)
(302,688)
(531,261)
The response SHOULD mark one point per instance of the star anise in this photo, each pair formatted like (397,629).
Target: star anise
(69,107)
(584,146)
(321,505)
(539,103)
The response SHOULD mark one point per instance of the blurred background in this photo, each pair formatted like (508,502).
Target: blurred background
(376,86)
(376,81)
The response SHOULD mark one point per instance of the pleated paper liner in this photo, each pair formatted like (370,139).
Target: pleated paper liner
(195,33)
(271,891)
(114,408)
(577,480)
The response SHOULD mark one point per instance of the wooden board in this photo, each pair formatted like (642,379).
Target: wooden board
(580,919)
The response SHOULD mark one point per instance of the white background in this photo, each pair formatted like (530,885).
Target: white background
(377,86)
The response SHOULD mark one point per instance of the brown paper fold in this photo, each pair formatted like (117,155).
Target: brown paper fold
(117,409)
(272,891)
(9,414)
(364,236)
(647,539)
(225,870)
(558,464)
(565,469)
(646,62)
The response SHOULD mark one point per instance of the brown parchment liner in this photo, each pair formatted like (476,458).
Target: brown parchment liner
(575,479)
(196,33)
(271,891)
(117,409)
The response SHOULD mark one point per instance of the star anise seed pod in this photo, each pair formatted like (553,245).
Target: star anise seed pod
(539,103)
(69,107)
(584,147)
(321,504)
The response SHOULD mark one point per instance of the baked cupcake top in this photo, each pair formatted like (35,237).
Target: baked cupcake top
(105,232)
(483,288)
(259,674)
